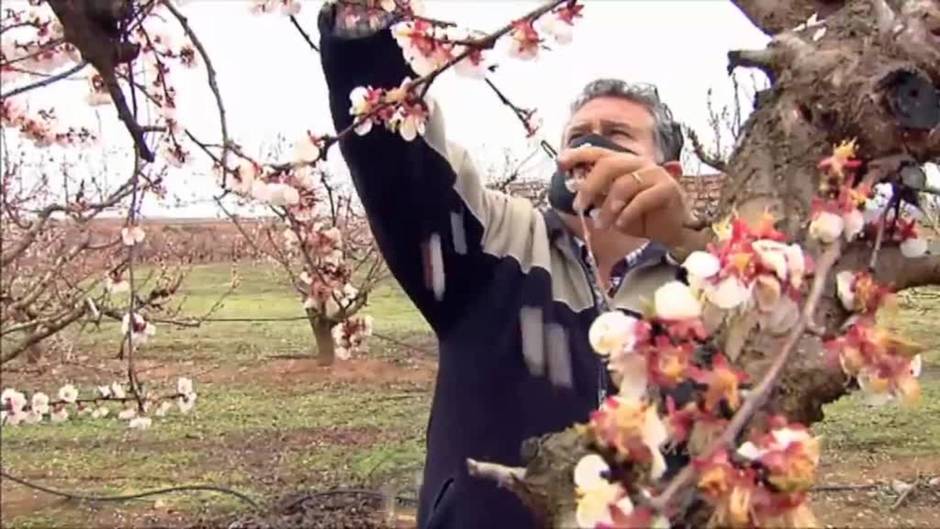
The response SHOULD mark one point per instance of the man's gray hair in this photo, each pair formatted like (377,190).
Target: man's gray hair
(667,134)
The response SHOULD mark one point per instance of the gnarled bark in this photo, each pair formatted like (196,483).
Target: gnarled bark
(833,84)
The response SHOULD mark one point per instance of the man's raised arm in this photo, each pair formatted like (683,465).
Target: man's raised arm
(426,206)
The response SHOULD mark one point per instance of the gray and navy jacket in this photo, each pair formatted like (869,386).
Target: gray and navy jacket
(501,283)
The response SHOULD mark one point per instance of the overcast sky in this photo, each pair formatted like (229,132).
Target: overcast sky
(272,83)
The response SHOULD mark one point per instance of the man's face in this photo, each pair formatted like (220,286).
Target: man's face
(622,121)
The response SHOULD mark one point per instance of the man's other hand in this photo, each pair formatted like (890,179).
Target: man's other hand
(633,195)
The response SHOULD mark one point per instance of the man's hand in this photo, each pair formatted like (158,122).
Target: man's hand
(632,194)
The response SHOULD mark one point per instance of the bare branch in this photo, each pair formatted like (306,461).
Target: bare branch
(210,72)
(713,160)
(314,47)
(46,81)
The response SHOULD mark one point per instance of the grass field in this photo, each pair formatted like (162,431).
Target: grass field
(269,423)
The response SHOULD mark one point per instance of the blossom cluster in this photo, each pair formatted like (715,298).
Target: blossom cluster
(885,365)
(398,109)
(16,408)
(289,186)
(429,47)
(764,483)
(751,268)
(838,211)
(42,128)
(350,335)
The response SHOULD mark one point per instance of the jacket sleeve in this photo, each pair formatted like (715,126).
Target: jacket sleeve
(439,230)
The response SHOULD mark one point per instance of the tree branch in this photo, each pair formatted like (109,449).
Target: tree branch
(712,160)
(213,79)
(46,81)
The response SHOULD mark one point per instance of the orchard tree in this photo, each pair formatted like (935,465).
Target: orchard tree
(775,319)
(324,247)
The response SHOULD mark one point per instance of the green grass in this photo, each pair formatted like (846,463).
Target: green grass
(261,294)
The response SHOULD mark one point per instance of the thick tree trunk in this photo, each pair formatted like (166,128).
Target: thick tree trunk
(323,336)
(840,80)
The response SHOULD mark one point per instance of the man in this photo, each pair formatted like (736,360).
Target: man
(505,287)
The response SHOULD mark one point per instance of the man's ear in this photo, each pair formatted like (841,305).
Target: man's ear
(673,168)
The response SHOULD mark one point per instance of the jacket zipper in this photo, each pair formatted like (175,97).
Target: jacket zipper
(600,306)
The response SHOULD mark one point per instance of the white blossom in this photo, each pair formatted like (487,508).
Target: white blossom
(12,401)
(40,403)
(612,332)
(184,386)
(562,31)
(163,409)
(305,149)
(127,414)
(132,235)
(913,247)
(844,288)
(729,293)
(675,301)
(701,266)
(590,472)
(100,412)
(186,403)
(12,418)
(796,265)
(140,423)
(117,390)
(826,227)
(773,255)
(141,332)
(68,393)
(33,417)
(854,222)
(282,195)
(60,414)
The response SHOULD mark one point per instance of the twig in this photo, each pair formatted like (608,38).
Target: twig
(761,392)
(845,488)
(304,34)
(126,497)
(46,81)
(213,81)
(132,295)
(713,160)
(904,495)
(403,344)
(879,238)
(501,474)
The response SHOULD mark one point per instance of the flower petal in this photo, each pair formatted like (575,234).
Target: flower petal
(702,264)
(728,294)
(844,283)
(589,472)
(913,247)
(854,223)
(826,227)
(612,332)
(675,301)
